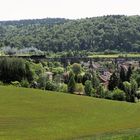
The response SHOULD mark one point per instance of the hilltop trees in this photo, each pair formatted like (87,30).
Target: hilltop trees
(107,33)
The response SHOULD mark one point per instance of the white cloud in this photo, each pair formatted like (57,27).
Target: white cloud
(24,9)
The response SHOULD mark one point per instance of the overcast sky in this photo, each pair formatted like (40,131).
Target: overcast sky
(73,9)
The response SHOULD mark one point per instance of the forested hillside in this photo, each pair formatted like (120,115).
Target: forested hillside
(118,33)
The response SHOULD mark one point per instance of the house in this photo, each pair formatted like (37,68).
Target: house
(104,78)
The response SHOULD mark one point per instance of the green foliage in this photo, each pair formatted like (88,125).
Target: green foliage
(138,94)
(71,83)
(87,76)
(1,83)
(136,76)
(130,90)
(134,87)
(95,81)
(129,73)
(88,88)
(108,94)
(113,82)
(127,89)
(118,95)
(16,83)
(93,93)
(79,88)
(79,78)
(36,69)
(107,33)
(45,83)
(14,69)
(123,74)
(30,72)
(63,88)
(76,68)
(42,81)
(58,70)
(25,83)
(51,86)
(100,91)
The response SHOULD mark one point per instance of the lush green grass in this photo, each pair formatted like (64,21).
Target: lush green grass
(115,55)
(27,114)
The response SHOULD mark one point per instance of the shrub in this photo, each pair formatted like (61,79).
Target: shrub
(100,91)
(58,70)
(76,68)
(93,92)
(16,83)
(63,88)
(1,83)
(42,81)
(138,94)
(51,86)
(71,83)
(79,88)
(118,95)
(79,78)
(108,95)
(88,87)
(25,83)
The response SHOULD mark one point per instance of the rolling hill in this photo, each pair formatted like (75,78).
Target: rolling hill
(36,114)
(107,33)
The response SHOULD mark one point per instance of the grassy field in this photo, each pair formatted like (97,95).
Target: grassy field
(114,55)
(28,114)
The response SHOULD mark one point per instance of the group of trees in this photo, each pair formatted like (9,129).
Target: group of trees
(115,33)
(13,69)
(123,84)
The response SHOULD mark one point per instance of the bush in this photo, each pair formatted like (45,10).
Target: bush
(71,83)
(25,83)
(42,81)
(16,83)
(58,70)
(138,94)
(93,92)
(79,88)
(51,86)
(1,83)
(63,88)
(108,95)
(118,95)
(100,91)
(88,88)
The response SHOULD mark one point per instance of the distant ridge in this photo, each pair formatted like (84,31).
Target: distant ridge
(117,33)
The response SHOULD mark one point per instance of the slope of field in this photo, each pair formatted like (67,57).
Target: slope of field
(28,114)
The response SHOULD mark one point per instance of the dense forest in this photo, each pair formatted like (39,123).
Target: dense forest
(107,33)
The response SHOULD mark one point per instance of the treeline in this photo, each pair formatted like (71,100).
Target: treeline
(123,85)
(117,33)
(45,21)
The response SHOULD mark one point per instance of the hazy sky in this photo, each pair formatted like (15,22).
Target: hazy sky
(29,9)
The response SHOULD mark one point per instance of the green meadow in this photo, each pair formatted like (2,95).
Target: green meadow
(29,114)
(129,55)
